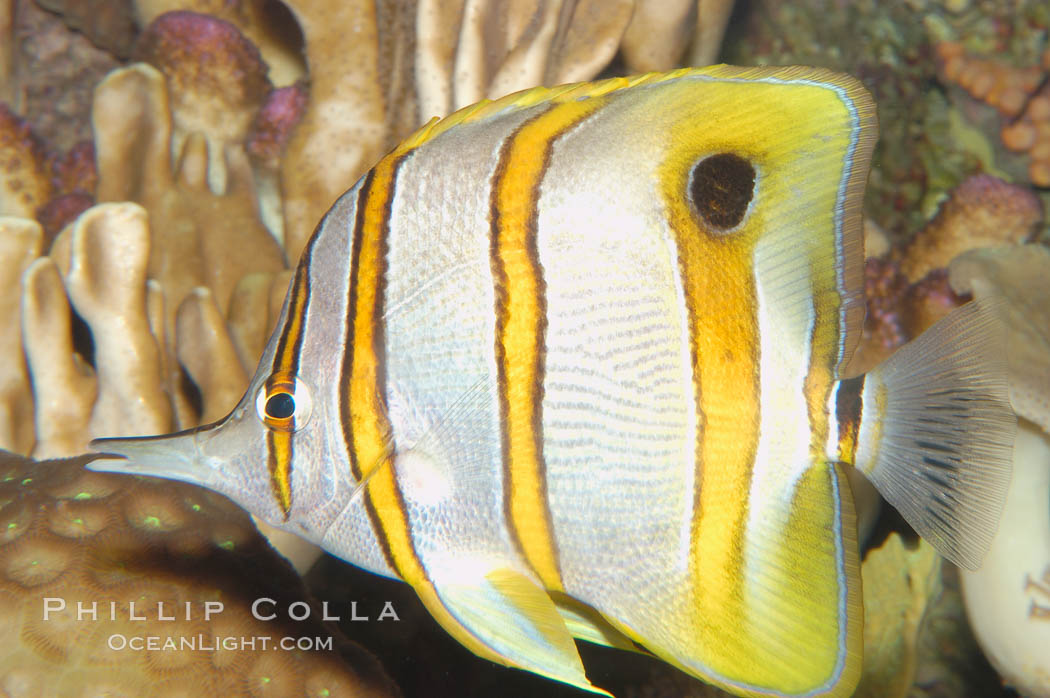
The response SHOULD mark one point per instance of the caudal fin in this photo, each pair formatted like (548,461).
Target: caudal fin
(937,432)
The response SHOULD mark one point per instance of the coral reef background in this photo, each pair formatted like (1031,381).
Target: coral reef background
(162,162)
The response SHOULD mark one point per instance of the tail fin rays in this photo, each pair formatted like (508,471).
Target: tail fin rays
(937,432)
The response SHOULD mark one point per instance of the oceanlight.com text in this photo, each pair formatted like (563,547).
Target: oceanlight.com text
(210,643)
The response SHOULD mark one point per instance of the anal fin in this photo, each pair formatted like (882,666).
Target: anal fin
(504,616)
(584,623)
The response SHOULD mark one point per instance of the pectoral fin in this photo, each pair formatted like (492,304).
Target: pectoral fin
(504,616)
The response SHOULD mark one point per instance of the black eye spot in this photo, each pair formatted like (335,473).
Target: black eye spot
(721,187)
(280,406)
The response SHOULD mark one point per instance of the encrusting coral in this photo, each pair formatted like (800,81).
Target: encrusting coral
(1022,95)
(982,211)
(91,564)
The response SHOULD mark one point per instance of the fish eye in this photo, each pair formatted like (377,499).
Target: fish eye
(721,187)
(283,403)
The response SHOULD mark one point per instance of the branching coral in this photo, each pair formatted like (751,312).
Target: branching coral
(199,238)
(83,555)
(7,51)
(104,262)
(98,269)
(1020,94)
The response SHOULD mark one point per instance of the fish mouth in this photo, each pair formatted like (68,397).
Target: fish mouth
(172,456)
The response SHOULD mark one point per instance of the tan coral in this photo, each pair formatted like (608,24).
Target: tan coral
(672,20)
(253,314)
(64,387)
(712,18)
(344,128)
(20,242)
(206,351)
(75,537)
(1008,599)
(104,263)
(198,238)
(1022,94)
(983,211)
(24,181)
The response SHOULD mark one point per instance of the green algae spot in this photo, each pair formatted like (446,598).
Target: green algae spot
(27,481)
(151,521)
(325,692)
(196,507)
(226,545)
(265,679)
(82,496)
(13,524)
(78,521)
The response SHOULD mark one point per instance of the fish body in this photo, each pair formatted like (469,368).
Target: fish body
(571,364)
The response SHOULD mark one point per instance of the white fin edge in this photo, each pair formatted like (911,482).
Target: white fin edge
(937,432)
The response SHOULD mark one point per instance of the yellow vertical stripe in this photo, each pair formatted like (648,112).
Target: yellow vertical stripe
(284,368)
(717,277)
(368,430)
(279,449)
(521,329)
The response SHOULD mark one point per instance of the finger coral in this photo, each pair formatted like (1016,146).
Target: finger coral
(1022,95)
(199,238)
(20,241)
(93,567)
